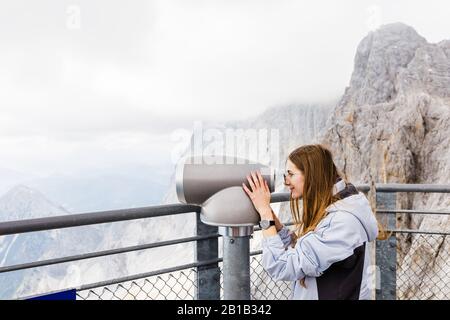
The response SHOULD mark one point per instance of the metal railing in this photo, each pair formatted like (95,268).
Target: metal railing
(202,279)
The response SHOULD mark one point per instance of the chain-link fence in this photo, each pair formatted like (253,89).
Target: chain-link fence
(180,285)
(262,287)
(422,273)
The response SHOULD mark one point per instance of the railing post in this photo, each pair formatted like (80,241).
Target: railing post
(236,262)
(386,251)
(207,278)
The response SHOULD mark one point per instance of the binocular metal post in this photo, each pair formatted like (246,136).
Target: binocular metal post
(214,182)
(236,262)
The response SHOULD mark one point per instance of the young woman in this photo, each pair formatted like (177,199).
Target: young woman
(327,256)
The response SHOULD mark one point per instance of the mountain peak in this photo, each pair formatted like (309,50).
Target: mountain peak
(397,28)
(379,58)
(22,189)
(23,202)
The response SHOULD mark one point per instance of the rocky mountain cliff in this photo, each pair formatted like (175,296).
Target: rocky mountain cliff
(392,126)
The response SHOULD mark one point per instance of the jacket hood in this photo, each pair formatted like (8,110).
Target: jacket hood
(358,206)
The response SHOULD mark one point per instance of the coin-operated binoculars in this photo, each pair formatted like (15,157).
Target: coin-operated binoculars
(215,183)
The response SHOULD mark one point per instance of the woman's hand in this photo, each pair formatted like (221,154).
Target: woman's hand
(259,194)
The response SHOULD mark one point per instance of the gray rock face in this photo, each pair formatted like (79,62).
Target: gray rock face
(380,56)
(392,125)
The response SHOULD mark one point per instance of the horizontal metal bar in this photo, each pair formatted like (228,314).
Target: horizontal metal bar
(103,253)
(147,274)
(432,212)
(392,230)
(405,187)
(279,197)
(84,219)
(441,233)
(76,220)
(382,187)
(255,253)
(97,254)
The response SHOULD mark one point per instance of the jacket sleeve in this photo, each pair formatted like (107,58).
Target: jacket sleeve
(314,252)
(285,236)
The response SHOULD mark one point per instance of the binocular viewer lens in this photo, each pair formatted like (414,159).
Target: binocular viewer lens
(215,183)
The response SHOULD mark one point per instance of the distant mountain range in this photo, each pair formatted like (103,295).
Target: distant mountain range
(124,187)
(103,189)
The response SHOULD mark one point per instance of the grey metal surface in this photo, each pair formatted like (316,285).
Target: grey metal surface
(280,197)
(429,232)
(386,253)
(199,177)
(400,187)
(179,176)
(216,210)
(207,277)
(236,231)
(428,212)
(236,268)
(206,237)
(83,219)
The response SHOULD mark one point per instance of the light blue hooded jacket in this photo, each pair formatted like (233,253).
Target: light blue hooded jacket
(334,259)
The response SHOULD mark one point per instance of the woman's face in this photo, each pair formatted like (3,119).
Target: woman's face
(294,180)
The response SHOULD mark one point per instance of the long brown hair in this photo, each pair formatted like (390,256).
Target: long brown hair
(320,174)
(316,164)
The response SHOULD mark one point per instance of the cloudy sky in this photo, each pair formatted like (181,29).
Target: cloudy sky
(95,82)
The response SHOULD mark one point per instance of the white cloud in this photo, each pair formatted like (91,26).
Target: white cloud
(44,156)
(148,68)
